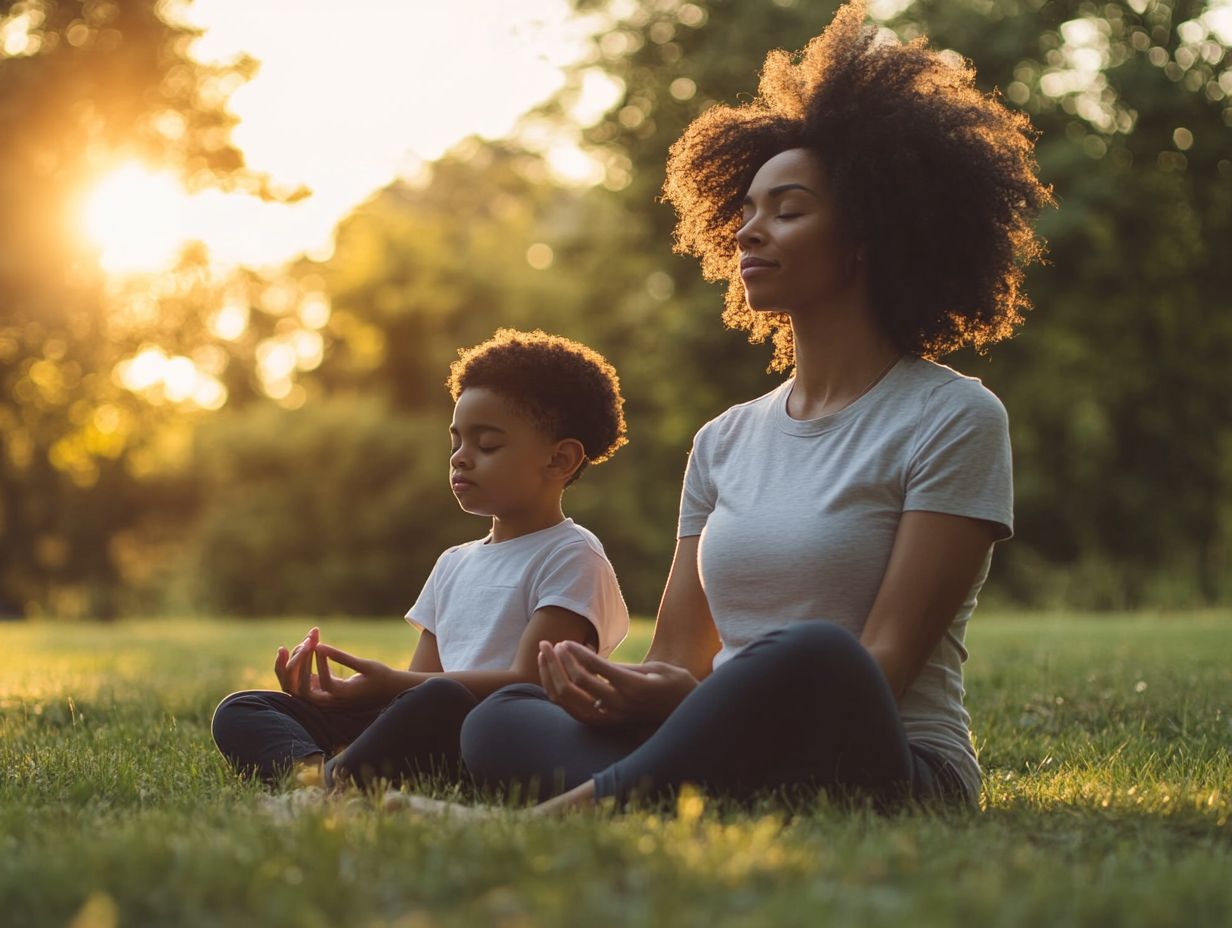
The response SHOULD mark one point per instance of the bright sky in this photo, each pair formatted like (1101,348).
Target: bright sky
(348,97)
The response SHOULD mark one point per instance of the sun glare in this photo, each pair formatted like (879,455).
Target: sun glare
(135,217)
(348,130)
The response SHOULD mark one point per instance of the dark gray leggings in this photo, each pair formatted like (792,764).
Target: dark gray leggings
(803,706)
(265,732)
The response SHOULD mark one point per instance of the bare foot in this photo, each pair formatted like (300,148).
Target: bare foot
(398,801)
(580,797)
(285,807)
(310,771)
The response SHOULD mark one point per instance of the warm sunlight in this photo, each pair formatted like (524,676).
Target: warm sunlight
(136,218)
(346,100)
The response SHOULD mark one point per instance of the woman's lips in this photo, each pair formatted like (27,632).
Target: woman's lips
(756,270)
(753,267)
(458,484)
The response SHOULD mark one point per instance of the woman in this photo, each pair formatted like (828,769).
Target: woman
(871,210)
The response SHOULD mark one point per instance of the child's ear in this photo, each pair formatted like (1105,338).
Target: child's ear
(567,457)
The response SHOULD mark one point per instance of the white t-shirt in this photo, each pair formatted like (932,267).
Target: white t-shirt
(797,517)
(481,595)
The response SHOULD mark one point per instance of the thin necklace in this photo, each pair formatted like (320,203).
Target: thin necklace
(872,383)
(876,380)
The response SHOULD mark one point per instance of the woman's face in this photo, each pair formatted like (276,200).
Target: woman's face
(795,250)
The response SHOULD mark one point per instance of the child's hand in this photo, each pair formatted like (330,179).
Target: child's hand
(294,668)
(373,683)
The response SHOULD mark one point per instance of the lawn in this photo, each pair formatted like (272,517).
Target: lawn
(1105,741)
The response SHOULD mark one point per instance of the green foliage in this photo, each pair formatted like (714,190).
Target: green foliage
(410,283)
(1107,798)
(343,508)
(1117,387)
(96,83)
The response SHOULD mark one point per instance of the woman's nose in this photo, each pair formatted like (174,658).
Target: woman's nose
(749,234)
(458,460)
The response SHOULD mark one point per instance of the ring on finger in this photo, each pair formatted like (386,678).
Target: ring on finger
(599,704)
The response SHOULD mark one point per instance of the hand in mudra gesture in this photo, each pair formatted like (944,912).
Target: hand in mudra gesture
(597,691)
(370,685)
(294,668)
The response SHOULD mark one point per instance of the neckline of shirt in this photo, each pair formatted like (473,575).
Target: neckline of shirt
(486,543)
(835,419)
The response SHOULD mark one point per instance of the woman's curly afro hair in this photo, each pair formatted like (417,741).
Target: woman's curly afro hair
(568,389)
(934,178)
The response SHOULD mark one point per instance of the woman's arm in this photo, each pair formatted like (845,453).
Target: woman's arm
(684,632)
(933,563)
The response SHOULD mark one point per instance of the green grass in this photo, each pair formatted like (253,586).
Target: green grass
(1105,742)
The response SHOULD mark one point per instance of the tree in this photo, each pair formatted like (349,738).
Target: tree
(83,85)
(1117,387)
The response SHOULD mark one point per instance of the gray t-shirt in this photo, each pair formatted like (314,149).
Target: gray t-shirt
(797,517)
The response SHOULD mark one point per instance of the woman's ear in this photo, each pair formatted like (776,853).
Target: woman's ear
(855,259)
(857,264)
(567,457)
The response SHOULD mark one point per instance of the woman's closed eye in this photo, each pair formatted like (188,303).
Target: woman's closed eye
(787,214)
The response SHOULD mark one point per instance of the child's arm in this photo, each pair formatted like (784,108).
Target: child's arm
(375,683)
(551,623)
(427,658)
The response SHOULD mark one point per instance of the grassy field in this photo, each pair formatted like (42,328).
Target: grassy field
(1105,740)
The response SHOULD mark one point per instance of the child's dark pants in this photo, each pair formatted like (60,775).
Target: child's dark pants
(266,732)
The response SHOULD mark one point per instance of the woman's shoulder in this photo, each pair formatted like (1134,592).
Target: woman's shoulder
(736,418)
(943,388)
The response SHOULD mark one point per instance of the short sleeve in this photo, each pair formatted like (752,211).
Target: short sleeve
(422,615)
(577,577)
(698,497)
(961,463)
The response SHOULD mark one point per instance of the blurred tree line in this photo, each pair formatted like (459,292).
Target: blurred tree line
(320,485)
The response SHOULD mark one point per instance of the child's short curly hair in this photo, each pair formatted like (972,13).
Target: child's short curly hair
(936,180)
(570,390)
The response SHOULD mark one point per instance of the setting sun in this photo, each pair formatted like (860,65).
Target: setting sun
(135,217)
(331,132)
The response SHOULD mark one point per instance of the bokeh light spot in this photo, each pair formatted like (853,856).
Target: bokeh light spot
(540,256)
(660,286)
(314,310)
(231,320)
(682,88)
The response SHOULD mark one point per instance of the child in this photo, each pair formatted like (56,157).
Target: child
(531,412)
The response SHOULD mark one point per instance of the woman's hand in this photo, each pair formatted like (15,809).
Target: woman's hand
(598,692)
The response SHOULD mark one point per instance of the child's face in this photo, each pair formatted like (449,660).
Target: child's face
(500,461)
